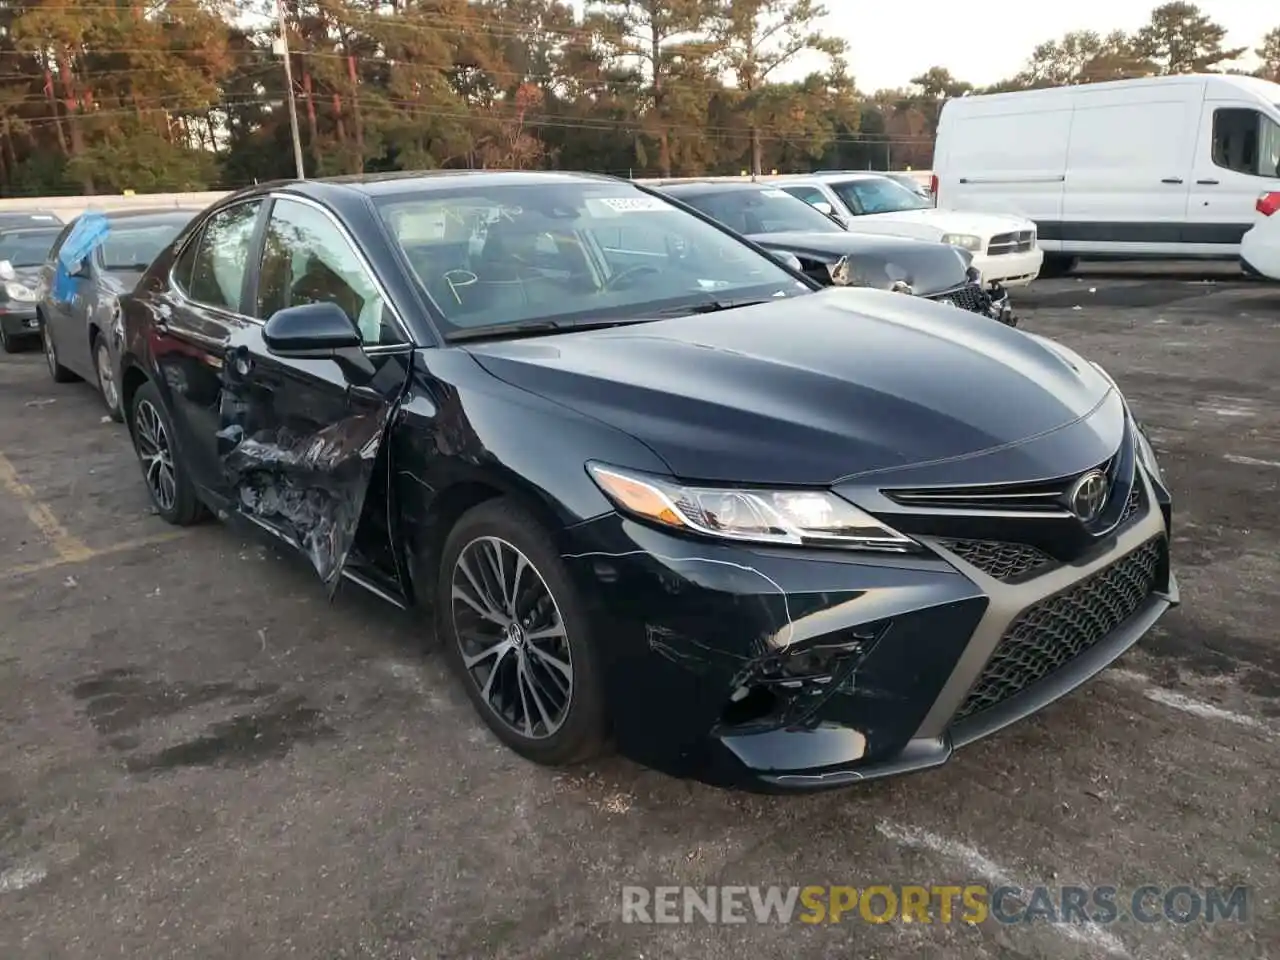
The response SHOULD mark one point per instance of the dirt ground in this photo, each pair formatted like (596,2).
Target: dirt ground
(200,757)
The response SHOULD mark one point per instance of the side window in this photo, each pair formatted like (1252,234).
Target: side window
(306,259)
(809,195)
(222,257)
(182,267)
(1246,141)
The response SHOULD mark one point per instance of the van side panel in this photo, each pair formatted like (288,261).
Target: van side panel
(1128,171)
(1004,156)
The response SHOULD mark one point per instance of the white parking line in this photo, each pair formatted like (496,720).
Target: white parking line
(1089,934)
(1179,701)
(1250,461)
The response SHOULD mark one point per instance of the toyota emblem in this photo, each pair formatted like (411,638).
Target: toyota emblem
(1088,496)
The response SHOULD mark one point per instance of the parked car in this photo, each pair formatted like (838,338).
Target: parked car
(748,529)
(1004,247)
(830,254)
(1260,247)
(912,183)
(1148,167)
(79,313)
(23,251)
(29,218)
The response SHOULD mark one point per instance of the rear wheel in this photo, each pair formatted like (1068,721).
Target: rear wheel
(518,635)
(59,373)
(163,471)
(106,371)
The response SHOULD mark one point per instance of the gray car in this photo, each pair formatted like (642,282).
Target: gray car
(79,317)
(23,252)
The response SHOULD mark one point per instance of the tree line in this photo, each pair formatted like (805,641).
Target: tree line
(103,96)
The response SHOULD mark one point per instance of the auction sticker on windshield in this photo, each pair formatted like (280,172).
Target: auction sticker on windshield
(629,204)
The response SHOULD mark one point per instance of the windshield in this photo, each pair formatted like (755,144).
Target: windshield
(878,195)
(761,211)
(509,254)
(130,247)
(27,248)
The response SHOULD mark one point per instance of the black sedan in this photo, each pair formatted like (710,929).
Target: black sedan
(23,251)
(656,489)
(831,254)
(79,313)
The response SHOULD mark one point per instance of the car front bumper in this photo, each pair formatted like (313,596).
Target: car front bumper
(1010,269)
(796,670)
(19,320)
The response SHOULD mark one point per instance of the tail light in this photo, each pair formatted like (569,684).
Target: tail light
(1269,203)
(933,185)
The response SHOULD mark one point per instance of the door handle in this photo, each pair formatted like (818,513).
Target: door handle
(1208,183)
(1171,180)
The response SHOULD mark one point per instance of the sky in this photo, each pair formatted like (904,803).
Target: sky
(983,41)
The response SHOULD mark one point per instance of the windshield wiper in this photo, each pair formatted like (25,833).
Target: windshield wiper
(712,306)
(532,328)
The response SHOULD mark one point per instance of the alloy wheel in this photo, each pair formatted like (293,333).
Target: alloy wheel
(156,454)
(512,637)
(106,376)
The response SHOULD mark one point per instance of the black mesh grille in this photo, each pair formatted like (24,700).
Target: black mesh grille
(1002,561)
(971,297)
(1132,506)
(1057,630)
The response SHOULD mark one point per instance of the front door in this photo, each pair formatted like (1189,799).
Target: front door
(300,440)
(1237,156)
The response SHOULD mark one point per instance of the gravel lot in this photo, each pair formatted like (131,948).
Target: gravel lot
(200,757)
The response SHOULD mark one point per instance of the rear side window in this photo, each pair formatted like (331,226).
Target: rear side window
(220,258)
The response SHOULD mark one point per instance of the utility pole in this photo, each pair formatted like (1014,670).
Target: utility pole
(282,48)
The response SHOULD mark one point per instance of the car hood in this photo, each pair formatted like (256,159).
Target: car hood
(27,276)
(985,225)
(927,266)
(809,389)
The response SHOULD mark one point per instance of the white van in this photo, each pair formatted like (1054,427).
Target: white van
(1157,167)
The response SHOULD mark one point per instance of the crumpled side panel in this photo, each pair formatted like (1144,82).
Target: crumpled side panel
(309,486)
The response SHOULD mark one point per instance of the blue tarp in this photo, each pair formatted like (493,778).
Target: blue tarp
(88,233)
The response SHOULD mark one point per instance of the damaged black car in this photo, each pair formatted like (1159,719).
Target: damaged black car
(834,255)
(650,488)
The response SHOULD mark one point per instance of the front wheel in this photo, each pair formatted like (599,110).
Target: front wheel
(1058,266)
(518,635)
(59,373)
(166,477)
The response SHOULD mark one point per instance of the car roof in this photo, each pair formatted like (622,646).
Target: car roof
(832,177)
(164,215)
(31,228)
(29,216)
(710,186)
(418,181)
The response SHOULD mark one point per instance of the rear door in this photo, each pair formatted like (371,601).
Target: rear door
(1236,159)
(300,440)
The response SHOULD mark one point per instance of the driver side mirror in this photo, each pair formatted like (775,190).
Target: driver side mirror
(319,331)
(310,331)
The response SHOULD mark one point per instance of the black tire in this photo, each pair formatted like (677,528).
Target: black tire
(581,733)
(59,373)
(1058,266)
(177,503)
(7,343)
(109,390)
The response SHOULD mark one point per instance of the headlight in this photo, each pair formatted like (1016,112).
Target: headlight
(20,291)
(966,241)
(797,517)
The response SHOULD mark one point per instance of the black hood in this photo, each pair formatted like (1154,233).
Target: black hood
(809,389)
(879,261)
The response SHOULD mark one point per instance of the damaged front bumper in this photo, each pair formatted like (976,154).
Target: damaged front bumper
(796,670)
(991,301)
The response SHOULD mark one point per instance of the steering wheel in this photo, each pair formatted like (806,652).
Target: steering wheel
(628,273)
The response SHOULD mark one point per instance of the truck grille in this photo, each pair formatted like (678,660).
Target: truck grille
(1052,633)
(1019,242)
